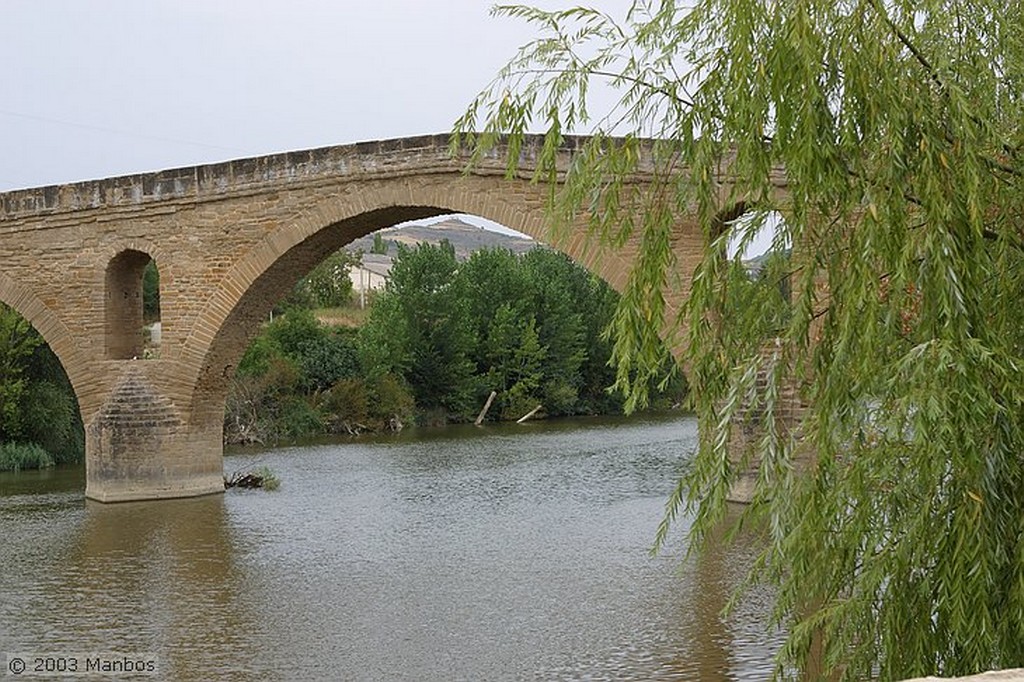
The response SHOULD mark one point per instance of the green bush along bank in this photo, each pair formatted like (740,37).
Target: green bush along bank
(438,340)
(40,424)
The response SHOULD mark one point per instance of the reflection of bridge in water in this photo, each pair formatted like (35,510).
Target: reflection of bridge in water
(230,240)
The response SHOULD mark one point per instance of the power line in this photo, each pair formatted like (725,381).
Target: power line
(123,133)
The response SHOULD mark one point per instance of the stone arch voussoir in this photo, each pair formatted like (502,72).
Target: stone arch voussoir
(112,249)
(50,327)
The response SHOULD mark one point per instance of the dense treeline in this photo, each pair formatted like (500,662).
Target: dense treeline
(438,340)
(40,424)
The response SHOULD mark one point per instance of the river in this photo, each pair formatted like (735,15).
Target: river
(504,552)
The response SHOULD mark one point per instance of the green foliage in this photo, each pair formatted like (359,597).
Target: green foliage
(560,291)
(898,548)
(18,456)
(329,357)
(432,338)
(347,403)
(291,331)
(514,358)
(299,298)
(376,403)
(437,341)
(329,284)
(37,403)
(151,292)
(297,419)
(256,360)
(380,246)
(384,345)
(299,378)
(320,355)
(50,419)
(529,327)
(18,342)
(271,407)
(392,401)
(512,350)
(269,478)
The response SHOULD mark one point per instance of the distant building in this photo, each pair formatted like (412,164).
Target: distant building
(464,237)
(372,274)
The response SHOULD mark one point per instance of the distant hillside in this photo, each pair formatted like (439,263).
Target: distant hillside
(464,237)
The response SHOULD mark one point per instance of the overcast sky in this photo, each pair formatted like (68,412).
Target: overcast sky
(97,88)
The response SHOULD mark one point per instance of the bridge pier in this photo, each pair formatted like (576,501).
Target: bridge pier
(749,424)
(139,448)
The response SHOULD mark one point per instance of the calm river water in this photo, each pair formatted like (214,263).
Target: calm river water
(506,552)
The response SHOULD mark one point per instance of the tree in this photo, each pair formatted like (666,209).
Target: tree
(151,292)
(514,358)
(899,128)
(559,291)
(18,341)
(37,403)
(499,300)
(329,283)
(380,246)
(419,330)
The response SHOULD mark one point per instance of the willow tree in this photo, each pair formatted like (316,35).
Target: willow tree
(900,550)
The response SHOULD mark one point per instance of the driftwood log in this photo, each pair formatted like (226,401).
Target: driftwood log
(528,414)
(487,406)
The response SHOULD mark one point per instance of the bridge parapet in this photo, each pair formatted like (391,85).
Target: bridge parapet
(210,182)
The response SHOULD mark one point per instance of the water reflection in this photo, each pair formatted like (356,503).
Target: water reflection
(62,479)
(503,553)
(728,646)
(148,578)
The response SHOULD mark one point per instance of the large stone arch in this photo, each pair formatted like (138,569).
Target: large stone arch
(232,317)
(56,335)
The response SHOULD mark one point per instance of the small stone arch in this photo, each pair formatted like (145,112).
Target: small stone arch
(123,304)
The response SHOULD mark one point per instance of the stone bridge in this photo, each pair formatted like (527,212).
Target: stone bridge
(230,240)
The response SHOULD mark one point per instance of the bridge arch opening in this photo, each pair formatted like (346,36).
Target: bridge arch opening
(752,231)
(757,245)
(462,312)
(132,305)
(40,417)
(279,272)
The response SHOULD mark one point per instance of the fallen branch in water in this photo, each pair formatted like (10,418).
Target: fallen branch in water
(487,406)
(528,414)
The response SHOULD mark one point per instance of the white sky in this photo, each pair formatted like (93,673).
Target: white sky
(97,88)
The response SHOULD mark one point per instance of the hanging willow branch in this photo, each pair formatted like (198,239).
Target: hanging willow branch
(898,126)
